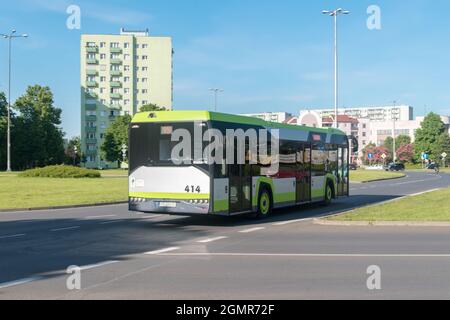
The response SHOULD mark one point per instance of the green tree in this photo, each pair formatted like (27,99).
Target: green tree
(402,140)
(427,136)
(151,107)
(442,145)
(116,135)
(38,139)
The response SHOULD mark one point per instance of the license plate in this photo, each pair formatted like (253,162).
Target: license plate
(168,204)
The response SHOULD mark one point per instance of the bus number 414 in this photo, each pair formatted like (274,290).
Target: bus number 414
(192,189)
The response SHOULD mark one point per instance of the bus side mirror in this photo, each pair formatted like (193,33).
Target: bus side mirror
(355,144)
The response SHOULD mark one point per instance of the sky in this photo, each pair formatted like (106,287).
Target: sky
(266,55)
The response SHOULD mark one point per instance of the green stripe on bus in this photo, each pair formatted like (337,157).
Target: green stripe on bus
(284,197)
(220,205)
(189,116)
(172,196)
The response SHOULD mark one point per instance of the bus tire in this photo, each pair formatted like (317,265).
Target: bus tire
(265,203)
(328,198)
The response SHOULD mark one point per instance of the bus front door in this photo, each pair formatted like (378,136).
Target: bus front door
(304,174)
(342,174)
(240,188)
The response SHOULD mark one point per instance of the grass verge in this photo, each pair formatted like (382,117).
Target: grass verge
(368,176)
(429,207)
(17,193)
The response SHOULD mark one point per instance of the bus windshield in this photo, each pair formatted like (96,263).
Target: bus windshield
(151,143)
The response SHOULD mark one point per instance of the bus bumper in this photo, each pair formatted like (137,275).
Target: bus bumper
(169,206)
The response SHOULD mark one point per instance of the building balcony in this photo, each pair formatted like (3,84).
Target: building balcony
(116,61)
(116,73)
(91,72)
(116,96)
(91,95)
(91,141)
(91,129)
(116,50)
(90,106)
(91,61)
(91,152)
(91,49)
(115,84)
(91,84)
(91,118)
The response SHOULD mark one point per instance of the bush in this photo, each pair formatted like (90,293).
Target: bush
(61,172)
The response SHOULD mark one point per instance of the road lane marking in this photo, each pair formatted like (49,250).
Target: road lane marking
(97,265)
(111,222)
(64,229)
(13,236)
(99,217)
(292,221)
(424,192)
(18,282)
(211,239)
(162,251)
(252,230)
(306,255)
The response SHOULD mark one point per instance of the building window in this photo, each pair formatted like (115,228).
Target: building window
(102,44)
(126,102)
(144,57)
(126,56)
(90,56)
(102,56)
(144,80)
(114,45)
(126,90)
(102,79)
(126,79)
(126,68)
(126,45)
(144,68)
(144,91)
(144,46)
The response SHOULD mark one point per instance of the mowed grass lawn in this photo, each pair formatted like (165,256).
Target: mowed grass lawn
(18,193)
(367,175)
(429,207)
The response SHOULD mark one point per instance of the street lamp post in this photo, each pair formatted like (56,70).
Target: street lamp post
(75,151)
(335,13)
(393,131)
(216,92)
(10,37)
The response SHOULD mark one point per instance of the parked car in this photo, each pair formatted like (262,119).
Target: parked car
(395,167)
(353,166)
(374,168)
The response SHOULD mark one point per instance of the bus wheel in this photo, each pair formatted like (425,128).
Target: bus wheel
(328,195)
(264,204)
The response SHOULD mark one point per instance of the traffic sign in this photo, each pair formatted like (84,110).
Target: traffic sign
(425,156)
(384,156)
(444,155)
(370,156)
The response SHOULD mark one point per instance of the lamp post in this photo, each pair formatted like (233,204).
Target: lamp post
(334,14)
(216,92)
(10,37)
(393,112)
(75,151)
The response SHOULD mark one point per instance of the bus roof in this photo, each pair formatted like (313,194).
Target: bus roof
(188,116)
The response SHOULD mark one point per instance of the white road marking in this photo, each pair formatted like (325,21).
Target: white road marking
(18,282)
(99,217)
(97,265)
(162,251)
(211,239)
(64,229)
(292,221)
(110,222)
(424,192)
(13,236)
(307,255)
(252,230)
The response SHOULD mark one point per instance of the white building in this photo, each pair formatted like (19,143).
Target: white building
(279,117)
(383,113)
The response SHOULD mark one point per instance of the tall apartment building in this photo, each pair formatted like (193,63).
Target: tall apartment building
(381,113)
(119,74)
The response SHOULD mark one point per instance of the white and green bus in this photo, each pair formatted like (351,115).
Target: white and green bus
(312,165)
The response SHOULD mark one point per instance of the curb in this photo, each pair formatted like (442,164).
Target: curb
(64,207)
(380,223)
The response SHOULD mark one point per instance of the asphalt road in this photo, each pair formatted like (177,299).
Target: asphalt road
(123,255)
